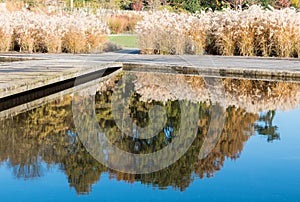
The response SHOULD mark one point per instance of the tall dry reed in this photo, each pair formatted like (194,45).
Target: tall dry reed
(254,31)
(37,32)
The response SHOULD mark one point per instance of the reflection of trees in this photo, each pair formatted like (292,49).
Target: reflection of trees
(265,126)
(81,169)
(238,127)
(43,135)
(47,134)
(30,169)
(236,131)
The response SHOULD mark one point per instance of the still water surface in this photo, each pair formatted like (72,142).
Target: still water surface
(256,157)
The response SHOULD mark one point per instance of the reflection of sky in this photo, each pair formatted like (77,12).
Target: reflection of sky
(264,172)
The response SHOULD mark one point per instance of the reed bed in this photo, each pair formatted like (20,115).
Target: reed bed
(27,31)
(251,32)
(169,33)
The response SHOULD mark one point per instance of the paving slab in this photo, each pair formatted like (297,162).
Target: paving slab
(17,77)
(45,69)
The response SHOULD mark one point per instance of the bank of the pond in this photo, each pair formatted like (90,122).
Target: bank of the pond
(46,69)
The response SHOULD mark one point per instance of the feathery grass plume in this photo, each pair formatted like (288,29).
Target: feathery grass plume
(37,32)
(15,5)
(53,35)
(249,32)
(198,30)
(6,32)
(246,31)
(5,41)
(162,32)
(224,26)
(285,36)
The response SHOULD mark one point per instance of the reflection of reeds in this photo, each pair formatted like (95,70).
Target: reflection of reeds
(164,87)
(256,96)
(252,95)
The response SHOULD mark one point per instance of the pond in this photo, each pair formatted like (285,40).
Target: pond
(215,139)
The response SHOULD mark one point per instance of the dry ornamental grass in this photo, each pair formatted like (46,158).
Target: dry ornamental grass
(251,32)
(35,32)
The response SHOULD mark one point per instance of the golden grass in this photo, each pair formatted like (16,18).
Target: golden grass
(27,31)
(74,42)
(13,6)
(122,23)
(5,41)
(251,32)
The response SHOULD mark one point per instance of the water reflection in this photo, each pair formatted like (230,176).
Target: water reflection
(265,126)
(48,135)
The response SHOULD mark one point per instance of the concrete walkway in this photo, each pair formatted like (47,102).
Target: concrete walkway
(20,76)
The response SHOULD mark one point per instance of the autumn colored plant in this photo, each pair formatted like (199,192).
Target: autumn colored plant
(120,23)
(137,5)
(162,32)
(13,6)
(5,33)
(251,32)
(27,31)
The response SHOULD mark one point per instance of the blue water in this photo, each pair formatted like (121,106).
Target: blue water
(264,172)
(255,158)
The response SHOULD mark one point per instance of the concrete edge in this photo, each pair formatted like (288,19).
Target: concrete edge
(223,72)
(43,81)
(231,72)
(39,102)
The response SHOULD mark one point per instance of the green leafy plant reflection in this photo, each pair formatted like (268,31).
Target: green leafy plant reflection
(34,141)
